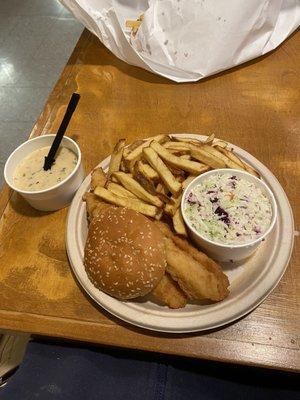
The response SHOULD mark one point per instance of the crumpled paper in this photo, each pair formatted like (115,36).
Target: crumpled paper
(187,40)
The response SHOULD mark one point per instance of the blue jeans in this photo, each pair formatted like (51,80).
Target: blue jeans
(62,371)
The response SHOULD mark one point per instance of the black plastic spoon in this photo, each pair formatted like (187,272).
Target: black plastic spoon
(50,158)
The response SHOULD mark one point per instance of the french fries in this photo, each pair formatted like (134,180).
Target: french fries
(228,162)
(207,158)
(177,162)
(186,156)
(171,208)
(178,223)
(179,147)
(128,149)
(134,24)
(230,155)
(134,187)
(179,153)
(116,157)
(236,160)
(251,170)
(165,174)
(137,152)
(120,190)
(147,171)
(163,193)
(144,181)
(187,181)
(220,143)
(98,178)
(134,204)
(162,189)
(200,152)
(146,176)
(186,140)
(150,176)
(210,139)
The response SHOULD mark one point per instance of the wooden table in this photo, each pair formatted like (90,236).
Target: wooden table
(255,106)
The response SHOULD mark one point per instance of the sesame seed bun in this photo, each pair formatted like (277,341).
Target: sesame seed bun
(124,253)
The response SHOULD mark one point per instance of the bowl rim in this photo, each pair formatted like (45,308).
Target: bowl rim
(223,245)
(48,190)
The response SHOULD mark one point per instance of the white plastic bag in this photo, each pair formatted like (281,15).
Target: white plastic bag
(186,40)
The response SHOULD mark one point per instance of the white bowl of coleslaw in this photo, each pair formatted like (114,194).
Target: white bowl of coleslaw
(228,213)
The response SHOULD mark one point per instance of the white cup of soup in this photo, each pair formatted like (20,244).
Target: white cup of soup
(228,213)
(45,190)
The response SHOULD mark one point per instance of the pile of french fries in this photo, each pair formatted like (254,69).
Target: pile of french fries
(149,176)
(134,24)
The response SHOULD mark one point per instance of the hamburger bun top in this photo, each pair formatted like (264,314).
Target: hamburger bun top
(124,253)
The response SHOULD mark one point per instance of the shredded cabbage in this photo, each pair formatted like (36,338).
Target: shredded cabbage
(228,209)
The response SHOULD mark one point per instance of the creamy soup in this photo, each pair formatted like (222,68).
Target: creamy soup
(29,174)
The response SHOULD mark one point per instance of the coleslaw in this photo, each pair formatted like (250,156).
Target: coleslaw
(228,209)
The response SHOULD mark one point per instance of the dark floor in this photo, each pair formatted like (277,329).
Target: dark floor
(36,40)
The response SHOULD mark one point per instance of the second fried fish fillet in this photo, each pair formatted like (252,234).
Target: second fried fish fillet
(98,178)
(94,206)
(169,293)
(197,275)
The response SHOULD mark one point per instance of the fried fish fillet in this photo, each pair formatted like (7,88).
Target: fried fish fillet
(209,264)
(169,293)
(98,178)
(94,206)
(197,275)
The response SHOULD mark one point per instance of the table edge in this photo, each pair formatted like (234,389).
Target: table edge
(71,329)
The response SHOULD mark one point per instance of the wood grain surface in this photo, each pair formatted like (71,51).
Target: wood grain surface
(255,106)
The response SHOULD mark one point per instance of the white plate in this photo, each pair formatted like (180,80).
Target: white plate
(250,282)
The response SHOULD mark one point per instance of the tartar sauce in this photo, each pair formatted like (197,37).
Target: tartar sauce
(29,174)
(228,209)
